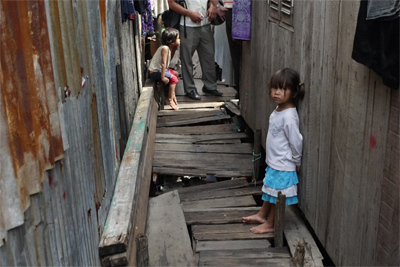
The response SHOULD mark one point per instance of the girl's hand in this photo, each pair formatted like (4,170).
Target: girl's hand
(165,80)
(196,17)
(298,168)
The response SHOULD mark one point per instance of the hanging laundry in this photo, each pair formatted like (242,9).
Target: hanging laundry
(376,45)
(383,9)
(159,7)
(127,10)
(147,21)
(140,6)
(241,19)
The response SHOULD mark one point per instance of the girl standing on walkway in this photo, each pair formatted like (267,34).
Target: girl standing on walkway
(283,148)
(158,69)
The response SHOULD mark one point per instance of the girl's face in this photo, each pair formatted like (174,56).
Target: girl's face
(281,96)
(177,41)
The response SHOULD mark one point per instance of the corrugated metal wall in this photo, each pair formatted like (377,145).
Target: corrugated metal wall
(60,153)
(344,119)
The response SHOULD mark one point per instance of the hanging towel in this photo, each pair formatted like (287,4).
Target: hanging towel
(241,19)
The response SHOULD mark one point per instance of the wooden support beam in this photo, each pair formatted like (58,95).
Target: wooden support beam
(279,220)
(128,210)
(256,154)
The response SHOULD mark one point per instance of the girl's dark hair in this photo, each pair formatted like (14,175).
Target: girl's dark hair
(288,79)
(169,36)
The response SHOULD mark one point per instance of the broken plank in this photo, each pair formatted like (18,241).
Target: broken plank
(280,262)
(234,183)
(233,108)
(216,217)
(168,238)
(247,191)
(296,234)
(197,130)
(193,121)
(232,244)
(202,172)
(242,201)
(243,148)
(261,253)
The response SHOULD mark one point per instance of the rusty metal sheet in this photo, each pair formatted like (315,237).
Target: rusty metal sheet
(32,136)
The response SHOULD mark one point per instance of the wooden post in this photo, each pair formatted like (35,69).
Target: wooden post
(298,258)
(279,220)
(142,251)
(257,149)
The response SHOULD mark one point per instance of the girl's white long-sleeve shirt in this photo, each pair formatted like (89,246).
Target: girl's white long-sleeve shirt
(284,143)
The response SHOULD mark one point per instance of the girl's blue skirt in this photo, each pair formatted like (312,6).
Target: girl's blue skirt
(283,181)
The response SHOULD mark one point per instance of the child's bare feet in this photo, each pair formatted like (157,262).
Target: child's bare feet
(263,228)
(175,101)
(172,104)
(256,218)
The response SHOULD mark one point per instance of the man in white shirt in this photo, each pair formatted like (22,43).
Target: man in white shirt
(198,37)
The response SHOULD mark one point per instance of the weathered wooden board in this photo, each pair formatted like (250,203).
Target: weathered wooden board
(247,191)
(245,262)
(232,107)
(205,98)
(201,172)
(212,161)
(168,238)
(243,148)
(191,115)
(234,236)
(241,201)
(221,228)
(216,217)
(296,233)
(120,220)
(234,183)
(197,105)
(259,253)
(165,112)
(232,245)
(194,121)
(197,130)
(182,139)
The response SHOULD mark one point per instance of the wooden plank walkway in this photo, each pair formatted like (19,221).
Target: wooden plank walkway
(197,140)
(200,139)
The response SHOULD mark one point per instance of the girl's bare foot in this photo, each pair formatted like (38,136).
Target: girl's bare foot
(172,104)
(175,101)
(254,219)
(263,228)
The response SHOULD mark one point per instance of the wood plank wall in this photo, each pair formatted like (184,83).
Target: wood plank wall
(344,119)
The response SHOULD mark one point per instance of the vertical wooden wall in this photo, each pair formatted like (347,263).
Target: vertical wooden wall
(344,119)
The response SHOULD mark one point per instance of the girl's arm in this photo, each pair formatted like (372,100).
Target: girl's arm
(164,56)
(295,142)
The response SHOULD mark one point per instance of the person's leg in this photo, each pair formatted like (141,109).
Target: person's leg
(235,47)
(261,216)
(171,91)
(268,226)
(206,51)
(187,47)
